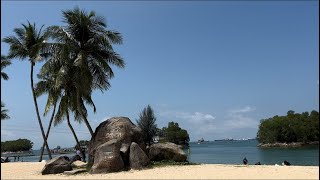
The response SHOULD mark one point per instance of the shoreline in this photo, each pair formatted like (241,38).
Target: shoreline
(32,170)
(289,145)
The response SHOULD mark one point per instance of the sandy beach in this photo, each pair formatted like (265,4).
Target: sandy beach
(31,170)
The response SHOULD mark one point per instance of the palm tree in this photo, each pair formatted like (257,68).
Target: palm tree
(4,63)
(28,43)
(47,85)
(4,114)
(64,81)
(90,45)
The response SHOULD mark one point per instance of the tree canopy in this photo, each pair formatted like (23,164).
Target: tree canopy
(293,127)
(147,124)
(173,133)
(16,145)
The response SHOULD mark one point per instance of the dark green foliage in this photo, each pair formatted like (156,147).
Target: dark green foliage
(293,127)
(4,112)
(16,145)
(4,63)
(173,133)
(147,124)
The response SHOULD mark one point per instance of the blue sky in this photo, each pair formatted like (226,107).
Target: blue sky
(216,68)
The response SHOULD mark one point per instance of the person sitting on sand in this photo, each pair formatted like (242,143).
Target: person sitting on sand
(258,163)
(245,161)
(286,163)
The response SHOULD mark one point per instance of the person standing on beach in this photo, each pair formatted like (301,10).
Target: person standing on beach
(78,152)
(245,161)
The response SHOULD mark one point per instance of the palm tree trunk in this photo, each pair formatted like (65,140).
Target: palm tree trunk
(47,135)
(37,111)
(75,137)
(87,123)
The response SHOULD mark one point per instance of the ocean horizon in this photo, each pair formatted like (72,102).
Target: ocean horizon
(233,152)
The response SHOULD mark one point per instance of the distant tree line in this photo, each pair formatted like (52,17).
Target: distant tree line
(293,127)
(16,145)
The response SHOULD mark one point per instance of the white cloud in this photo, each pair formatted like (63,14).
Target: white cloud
(236,118)
(6,133)
(243,110)
(198,124)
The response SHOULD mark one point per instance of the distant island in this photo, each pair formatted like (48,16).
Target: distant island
(292,130)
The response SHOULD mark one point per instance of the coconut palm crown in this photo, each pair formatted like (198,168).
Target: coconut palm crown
(88,43)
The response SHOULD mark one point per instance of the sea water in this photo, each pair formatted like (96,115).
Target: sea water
(232,152)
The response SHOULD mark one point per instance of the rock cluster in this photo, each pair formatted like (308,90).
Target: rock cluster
(62,164)
(117,144)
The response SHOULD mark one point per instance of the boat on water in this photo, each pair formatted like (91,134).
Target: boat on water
(227,139)
(202,141)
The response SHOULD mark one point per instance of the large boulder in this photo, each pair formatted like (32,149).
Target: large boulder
(166,151)
(138,158)
(120,129)
(57,165)
(107,158)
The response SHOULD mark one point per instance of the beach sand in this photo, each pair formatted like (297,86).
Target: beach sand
(31,170)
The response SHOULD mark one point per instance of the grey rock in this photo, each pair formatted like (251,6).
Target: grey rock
(138,158)
(57,165)
(120,129)
(107,158)
(166,151)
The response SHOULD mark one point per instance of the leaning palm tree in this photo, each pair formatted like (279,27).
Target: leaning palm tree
(4,63)
(27,44)
(4,114)
(47,85)
(64,81)
(90,44)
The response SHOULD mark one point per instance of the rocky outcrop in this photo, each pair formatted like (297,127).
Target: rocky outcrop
(293,144)
(138,158)
(107,158)
(57,165)
(166,151)
(112,139)
(117,144)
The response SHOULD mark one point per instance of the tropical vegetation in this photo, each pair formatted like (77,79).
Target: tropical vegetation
(16,145)
(294,127)
(78,60)
(147,124)
(27,44)
(4,63)
(173,133)
(4,112)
